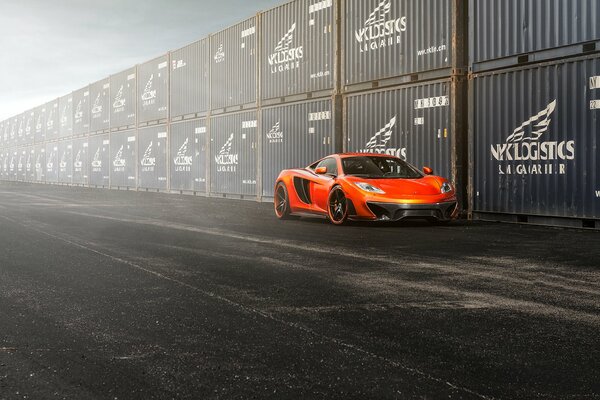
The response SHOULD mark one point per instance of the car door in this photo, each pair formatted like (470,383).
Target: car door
(322,184)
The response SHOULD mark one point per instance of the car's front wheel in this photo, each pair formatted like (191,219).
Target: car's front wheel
(337,206)
(282,201)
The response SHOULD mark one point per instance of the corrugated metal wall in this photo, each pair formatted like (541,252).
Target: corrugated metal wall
(384,39)
(40,163)
(65,161)
(152,157)
(188,155)
(52,162)
(39,128)
(80,161)
(411,122)
(536,140)
(30,164)
(233,149)
(52,120)
(190,72)
(81,111)
(123,99)
(99,161)
(153,90)
(294,136)
(233,75)
(100,106)
(65,112)
(123,159)
(298,49)
(28,127)
(505,28)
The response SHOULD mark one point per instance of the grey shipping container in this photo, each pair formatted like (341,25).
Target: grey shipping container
(190,71)
(30,164)
(40,163)
(233,73)
(52,162)
(39,127)
(52,120)
(153,90)
(123,99)
(81,111)
(397,38)
(188,143)
(28,127)
(3,165)
(4,131)
(14,128)
(80,161)
(19,122)
(294,136)
(536,140)
(99,160)
(65,161)
(233,155)
(152,157)
(298,49)
(21,164)
(12,164)
(100,106)
(503,33)
(123,159)
(2,140)
(415,122)
(65,106)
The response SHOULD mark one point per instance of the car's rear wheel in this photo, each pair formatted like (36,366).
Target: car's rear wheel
(337,206)
(282,201)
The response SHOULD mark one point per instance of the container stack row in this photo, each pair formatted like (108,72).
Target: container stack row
(501,96)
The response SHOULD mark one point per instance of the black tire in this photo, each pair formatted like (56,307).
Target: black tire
(282,201)
(337,206)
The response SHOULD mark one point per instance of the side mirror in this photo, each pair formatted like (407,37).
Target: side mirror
(321,171)
(427,171)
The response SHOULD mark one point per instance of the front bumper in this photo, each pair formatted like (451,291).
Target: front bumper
(445,211)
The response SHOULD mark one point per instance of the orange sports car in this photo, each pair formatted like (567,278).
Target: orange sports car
(364,187)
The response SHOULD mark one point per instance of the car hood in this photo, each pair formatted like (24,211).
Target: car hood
(426,186)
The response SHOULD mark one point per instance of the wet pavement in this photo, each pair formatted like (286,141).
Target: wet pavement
(125,295)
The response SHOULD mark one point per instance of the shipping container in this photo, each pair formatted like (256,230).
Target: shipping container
(81,112)
(19,122)
(233,73)
(21,164)
(65,108)
(40,163)
(3,164)
(152,157)
(39,128)
(65,161)
(536,141)
(12,164)
(52,120)
(504,33)
(123,100)
(13,132)
(233,153)
(399,41)
(99,160)
(298,55)
(80,161)
(123,159)
(52,159)
(190,72)
(296,135)
(188,144)
(30,165)
(424,124)
(100,106)
(28,127)
(2,138)
(153,90)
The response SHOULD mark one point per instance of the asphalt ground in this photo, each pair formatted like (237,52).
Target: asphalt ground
(126,295)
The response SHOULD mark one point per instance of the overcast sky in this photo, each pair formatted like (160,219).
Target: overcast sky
(52,47)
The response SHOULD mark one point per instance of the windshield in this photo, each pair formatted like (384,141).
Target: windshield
(379,167)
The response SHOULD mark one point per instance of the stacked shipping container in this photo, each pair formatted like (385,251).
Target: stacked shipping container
(222,116)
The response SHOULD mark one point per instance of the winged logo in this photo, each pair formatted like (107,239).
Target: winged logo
(286,40)
(182,158)
(119,100)
(119,161)
(378,15)
(532,129)
(147,159)
(380,140)
(149,94)
(226,149)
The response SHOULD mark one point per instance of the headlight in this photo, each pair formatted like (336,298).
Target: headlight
(367,187)
(446,188)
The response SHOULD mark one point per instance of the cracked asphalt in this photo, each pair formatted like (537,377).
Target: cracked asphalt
(126,295)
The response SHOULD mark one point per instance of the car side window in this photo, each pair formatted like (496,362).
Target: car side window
(330,164)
